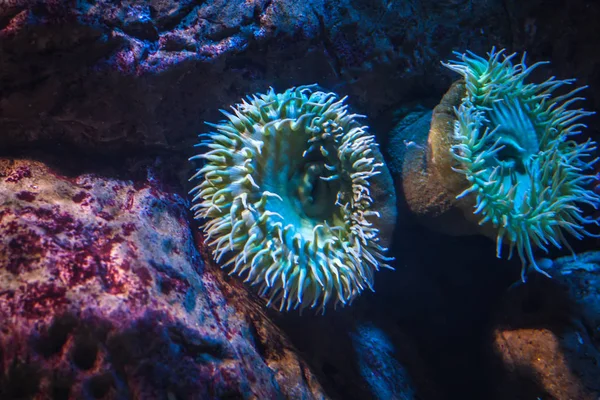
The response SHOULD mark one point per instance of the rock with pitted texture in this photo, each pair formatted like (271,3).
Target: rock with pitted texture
(104,295)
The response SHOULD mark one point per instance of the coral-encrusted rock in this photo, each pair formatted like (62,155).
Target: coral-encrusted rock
(104,295)
(546,339)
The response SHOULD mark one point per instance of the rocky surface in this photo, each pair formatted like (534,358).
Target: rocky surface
(144,75)
(103,295)
(546,336)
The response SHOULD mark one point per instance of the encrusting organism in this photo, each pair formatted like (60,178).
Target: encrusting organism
(502,149)
(286,195)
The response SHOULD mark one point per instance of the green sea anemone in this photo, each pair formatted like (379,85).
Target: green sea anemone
(286,192)
(512,143)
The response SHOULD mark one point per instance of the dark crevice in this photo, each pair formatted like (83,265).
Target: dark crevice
(168,270)
(85,353)
(21,381)
(197,346)
(258,342)
(55,338)
(169,22)
(100,385)
(61,387)
(328,44)
(593,334)
(41,65)
(143,30)
(72,160)
(224,33)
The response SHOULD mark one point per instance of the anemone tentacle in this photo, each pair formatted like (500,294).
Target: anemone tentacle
(285,193)
(513,146)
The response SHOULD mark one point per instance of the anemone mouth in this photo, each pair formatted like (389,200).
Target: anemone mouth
(513,147)
(286,194)
(315,187)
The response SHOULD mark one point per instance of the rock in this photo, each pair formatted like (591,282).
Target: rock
(546,336)
(421,164)
(361,355)
(543,363)
(104,295)
(120,77)
(386,376)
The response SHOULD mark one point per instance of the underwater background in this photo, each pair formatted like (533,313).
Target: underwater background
(111,284)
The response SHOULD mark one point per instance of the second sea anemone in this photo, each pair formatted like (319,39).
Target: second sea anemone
(499,158)
(513,145)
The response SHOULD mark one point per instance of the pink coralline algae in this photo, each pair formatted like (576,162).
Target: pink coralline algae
(17,174)
(104,295)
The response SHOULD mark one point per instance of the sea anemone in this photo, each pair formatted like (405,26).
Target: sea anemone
(512,143)
(286,193)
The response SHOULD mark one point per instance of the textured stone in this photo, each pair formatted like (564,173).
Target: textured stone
(421,162)
(104,295)
(360,355)
(546,336)
(109,76)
